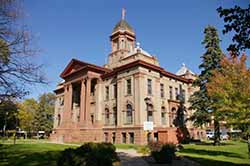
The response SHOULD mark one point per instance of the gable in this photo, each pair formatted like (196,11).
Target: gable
(76,66)
(73,66)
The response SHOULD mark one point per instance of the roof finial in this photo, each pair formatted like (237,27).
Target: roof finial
(123,13)
(138,45)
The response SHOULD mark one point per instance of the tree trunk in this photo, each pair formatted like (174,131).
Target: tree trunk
(14,138)
(216,132)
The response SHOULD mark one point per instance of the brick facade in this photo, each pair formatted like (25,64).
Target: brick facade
(111,103)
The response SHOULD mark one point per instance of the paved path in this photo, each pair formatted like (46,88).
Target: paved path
(129,157)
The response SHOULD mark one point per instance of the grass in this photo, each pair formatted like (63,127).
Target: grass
(40,153)
(30,153)
(231,153)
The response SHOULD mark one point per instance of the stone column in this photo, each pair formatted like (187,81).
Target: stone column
(138,99)
(120,113)
(98,97)
(157,103)
(142,105)
(87,101)
(82,105)
(67,104)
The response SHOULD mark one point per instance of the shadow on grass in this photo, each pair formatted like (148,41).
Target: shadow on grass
(211,153)
(9,156)
(210,162)
(35,159)
(211,143)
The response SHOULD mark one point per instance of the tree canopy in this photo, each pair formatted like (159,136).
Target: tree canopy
(230,88)
(37,115)
(200,101)
(17,67)
(237,20)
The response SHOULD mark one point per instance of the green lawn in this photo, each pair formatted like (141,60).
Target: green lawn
(40,153)
(228,154)
(31,153)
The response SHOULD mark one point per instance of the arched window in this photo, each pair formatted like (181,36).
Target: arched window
(129,114)
(58,120)
(122,44)
(106,115)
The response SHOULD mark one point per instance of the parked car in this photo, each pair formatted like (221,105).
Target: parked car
(210,135)
(224,136)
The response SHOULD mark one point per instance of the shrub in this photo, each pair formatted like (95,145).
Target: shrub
(89,154)
(155,146)
(162,153)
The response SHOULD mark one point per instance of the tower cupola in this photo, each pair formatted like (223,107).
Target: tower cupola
(123,36)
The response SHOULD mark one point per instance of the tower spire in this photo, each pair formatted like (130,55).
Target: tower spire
(123,13)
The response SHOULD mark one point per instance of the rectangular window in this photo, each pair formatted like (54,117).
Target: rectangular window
(92,119)
(163,118)
(113,137)
(176,93)
(149,137)
(156,137)
(123,138)
(131,138)
(115,115)
(149,87)
(106,137)
(162,90)
(129,87)
(150,116)
(107,92)
(115,91)
(184,95)
(171,93)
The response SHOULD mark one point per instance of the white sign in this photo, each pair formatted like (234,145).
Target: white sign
(148,126)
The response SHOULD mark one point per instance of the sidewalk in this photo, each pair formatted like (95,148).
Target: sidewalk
(129,157)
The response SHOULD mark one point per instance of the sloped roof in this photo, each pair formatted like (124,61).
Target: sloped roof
(147,65)
(183,70)
(123,26)
(77,65)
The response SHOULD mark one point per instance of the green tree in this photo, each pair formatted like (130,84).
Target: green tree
(26,114)
(43,119)
(237,20)
(229,87)
(200,101)
(17,67)
(8,115)
(183,135)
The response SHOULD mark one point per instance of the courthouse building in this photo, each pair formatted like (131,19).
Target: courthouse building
(111,102)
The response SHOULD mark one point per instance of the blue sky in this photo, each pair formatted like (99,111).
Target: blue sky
(171,30)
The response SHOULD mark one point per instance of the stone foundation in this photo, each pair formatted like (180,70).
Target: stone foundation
(129,135)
